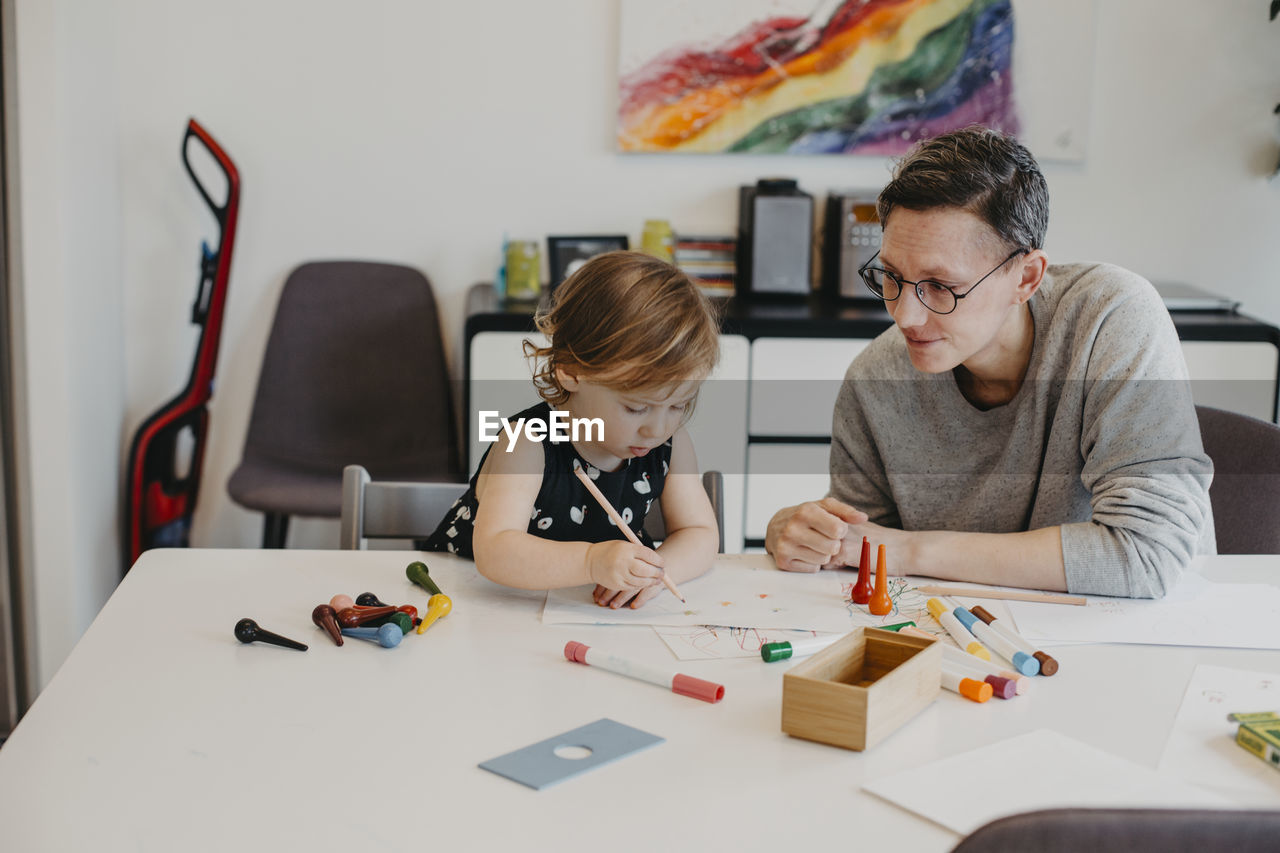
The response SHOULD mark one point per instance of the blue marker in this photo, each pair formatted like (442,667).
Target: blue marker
(1022,662)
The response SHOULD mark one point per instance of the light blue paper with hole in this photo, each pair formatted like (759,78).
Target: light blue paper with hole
(538,766)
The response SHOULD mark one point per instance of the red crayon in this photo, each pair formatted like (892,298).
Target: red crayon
(861,593)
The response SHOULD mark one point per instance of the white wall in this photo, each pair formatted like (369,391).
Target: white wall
(420,132)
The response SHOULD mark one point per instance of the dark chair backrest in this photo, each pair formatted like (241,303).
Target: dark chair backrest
(1127,831)
(1245,493)
(354,369)
(713,482)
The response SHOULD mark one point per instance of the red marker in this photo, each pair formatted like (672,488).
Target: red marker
(685,685)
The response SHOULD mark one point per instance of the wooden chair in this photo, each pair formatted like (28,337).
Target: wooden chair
(713,482)
(391,510)
(403,510)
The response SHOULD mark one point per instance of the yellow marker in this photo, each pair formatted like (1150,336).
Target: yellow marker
(958,632)
(437,605)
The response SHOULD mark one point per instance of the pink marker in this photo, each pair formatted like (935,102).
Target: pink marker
(685,685)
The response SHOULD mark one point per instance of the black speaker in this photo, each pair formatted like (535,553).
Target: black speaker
(775,238)
(850,237)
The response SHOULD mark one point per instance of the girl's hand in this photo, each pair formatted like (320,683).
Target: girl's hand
(623,567)
(617,598)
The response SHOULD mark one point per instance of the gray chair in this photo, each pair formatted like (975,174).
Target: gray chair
(1127,831)
(354,369)
(1245,493)
(391,510)
(397,510)
(713,482)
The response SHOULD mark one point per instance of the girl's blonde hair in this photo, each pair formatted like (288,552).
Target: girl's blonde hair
(628,321)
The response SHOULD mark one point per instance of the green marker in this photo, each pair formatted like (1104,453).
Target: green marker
(417,572)
(897,627)
(773,652)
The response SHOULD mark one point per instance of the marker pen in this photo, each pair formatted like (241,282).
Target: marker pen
(1048,666)
(981,668)
(956,629)
(1022,662)
(958,682)
(685,685)
(773,652)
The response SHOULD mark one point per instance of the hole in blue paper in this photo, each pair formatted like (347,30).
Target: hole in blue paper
(571,752)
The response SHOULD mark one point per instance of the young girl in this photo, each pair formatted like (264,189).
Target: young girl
(632,339)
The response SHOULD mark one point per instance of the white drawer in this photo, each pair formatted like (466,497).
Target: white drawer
(794,383)
(783,475)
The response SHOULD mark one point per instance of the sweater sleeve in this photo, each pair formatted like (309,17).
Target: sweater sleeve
(858,475)
(1144,464)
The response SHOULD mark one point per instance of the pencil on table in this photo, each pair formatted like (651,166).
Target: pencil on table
(622,525)
(1004,594)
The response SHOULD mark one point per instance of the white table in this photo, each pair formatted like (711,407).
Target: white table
(161,732)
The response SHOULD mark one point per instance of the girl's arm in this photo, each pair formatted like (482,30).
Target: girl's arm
(692,535)
(506,553)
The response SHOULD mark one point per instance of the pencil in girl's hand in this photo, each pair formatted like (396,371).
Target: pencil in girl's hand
(622,525)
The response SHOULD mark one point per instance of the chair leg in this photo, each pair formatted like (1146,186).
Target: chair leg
(275,530)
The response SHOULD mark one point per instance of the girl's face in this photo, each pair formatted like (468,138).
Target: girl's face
(635,422)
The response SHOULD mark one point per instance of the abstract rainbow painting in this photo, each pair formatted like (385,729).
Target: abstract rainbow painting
(820,77)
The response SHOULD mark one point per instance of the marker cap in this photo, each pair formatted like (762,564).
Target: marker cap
(1048,666)
(1002,688)
(687,685)
(1025,663)
(966,618)
(772,652)
(575,651)
(978,691)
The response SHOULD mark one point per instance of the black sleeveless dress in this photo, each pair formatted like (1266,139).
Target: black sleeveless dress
(564,510)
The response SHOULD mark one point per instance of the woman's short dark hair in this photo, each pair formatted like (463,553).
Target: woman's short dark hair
(987,173)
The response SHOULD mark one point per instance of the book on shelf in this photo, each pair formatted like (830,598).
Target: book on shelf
(710,258)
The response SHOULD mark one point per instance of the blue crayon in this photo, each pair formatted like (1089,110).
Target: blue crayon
(388,636)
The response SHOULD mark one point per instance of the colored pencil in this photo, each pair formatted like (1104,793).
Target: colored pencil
(622,525)
(1004,594)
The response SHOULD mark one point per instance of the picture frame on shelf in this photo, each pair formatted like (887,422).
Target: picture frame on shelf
(566,253)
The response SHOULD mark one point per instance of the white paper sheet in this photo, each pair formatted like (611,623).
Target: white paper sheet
(700,642)
(1038,770)
(706,642)
(1202,747)
(725,595)
(1197,612)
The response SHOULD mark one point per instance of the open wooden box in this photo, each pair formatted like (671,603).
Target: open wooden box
(857,691)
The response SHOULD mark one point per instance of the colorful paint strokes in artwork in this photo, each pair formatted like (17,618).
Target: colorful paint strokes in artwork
(854,77)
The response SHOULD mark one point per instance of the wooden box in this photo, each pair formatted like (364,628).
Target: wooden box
(857,691)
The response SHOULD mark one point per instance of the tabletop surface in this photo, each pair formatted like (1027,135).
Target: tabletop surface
(162,732)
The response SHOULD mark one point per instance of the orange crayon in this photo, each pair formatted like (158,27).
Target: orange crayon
(880,603)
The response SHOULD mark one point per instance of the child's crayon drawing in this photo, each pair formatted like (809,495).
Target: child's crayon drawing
(764,599)
(701,642)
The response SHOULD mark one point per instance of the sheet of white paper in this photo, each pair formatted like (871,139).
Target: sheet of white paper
(1038,770)
(700,642)
(1202,745)
(704,642)
(1197,612)
(726,595)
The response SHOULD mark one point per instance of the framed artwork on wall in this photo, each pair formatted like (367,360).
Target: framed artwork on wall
(566,254)
(851,76)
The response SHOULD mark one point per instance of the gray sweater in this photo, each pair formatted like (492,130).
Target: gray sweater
(1101,438)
